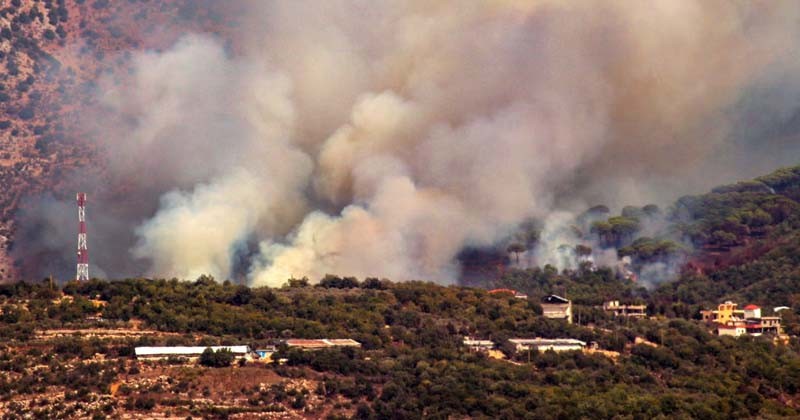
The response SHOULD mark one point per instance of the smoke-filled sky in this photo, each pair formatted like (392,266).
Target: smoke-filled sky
(379,138)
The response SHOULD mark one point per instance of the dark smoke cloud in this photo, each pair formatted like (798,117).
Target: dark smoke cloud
(380,138)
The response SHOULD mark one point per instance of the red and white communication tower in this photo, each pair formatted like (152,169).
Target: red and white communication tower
(83,249)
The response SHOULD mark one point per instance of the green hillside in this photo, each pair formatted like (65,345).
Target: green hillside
(412,363)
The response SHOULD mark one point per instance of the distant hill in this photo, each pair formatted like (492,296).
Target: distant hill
(738,241)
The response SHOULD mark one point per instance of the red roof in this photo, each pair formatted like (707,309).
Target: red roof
(751,307)
(493,291)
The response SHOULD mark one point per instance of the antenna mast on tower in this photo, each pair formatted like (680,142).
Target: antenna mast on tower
(83,249)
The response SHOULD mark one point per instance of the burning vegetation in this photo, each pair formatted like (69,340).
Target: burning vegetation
(291,140)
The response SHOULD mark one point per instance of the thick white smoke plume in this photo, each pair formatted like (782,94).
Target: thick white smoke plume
(204,226)
(379,138)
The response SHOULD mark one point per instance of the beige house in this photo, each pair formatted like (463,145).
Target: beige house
(557,307)
(631,311)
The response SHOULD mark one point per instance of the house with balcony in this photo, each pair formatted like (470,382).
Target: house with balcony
(728,320)
(478,345)
(616,309)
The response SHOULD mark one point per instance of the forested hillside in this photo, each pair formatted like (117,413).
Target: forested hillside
(747,230)
(412,363)
(265,139)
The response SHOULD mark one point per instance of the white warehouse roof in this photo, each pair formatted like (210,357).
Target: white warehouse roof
(187,350)
(548,341)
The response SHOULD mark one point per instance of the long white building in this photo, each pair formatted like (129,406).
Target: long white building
(544,344)
(156,353)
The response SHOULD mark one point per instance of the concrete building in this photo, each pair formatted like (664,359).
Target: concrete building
(631,311)
(478,345)
(544,344)
(733,329)
(188,352)
(771,324)
(322,343)
(557,307)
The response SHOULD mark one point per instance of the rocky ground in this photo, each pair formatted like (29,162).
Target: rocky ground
(91,374)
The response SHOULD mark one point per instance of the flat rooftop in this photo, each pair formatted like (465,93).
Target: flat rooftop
(186,350)
(322,342)
(547,341)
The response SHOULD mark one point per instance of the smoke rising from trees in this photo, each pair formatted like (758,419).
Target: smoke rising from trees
(380,138)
